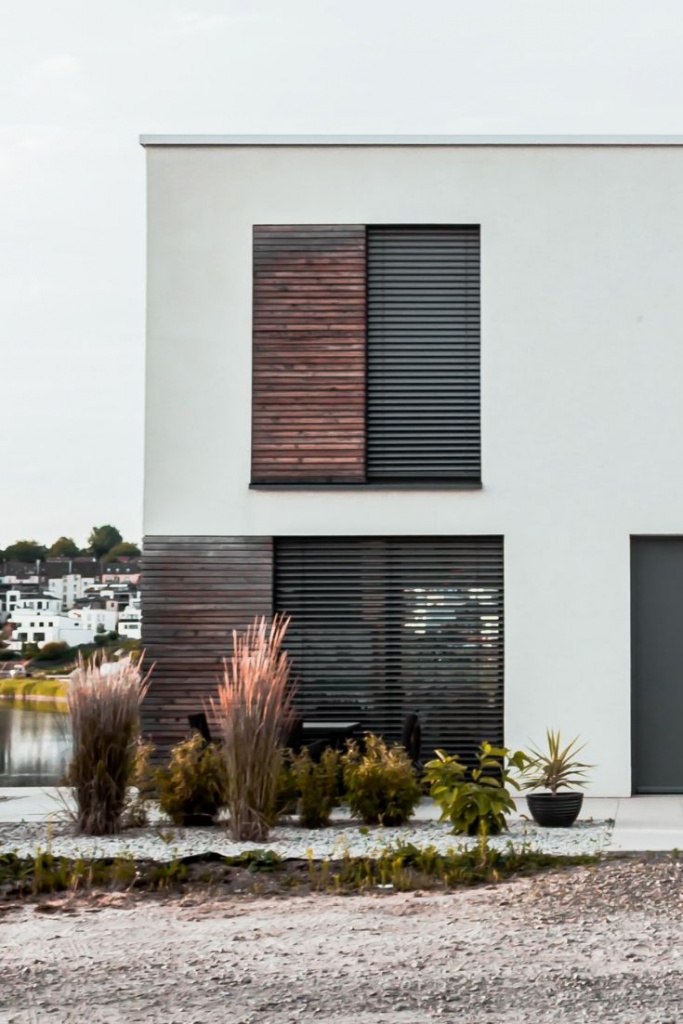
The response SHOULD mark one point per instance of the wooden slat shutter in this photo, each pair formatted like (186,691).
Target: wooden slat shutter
(309,354)
(195,591)
(382,627)
(424,354)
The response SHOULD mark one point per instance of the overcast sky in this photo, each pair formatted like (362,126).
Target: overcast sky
(81,79)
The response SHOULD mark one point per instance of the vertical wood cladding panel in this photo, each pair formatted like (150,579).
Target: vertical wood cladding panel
(195,591)
(309,374)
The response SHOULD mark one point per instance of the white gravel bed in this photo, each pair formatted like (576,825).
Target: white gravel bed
(162,841)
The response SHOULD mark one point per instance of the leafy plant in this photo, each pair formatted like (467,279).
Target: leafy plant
(380,783)
(192,787)
(104,711)
(475,800)
(286,793)
(317,785)
(555,767)
(254,712)
(142,790)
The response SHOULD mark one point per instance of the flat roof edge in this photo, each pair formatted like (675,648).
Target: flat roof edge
(411,140)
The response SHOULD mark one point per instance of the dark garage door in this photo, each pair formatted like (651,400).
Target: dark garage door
(657,664)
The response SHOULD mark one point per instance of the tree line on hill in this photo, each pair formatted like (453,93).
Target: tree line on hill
(105,543)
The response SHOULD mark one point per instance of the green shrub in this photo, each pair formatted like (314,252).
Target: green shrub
(380,783)
(53,651)
(143,789)
(192,787)
(254,712)
(104,712)
(317,786)
(6,654)
(287,792)
(475,800)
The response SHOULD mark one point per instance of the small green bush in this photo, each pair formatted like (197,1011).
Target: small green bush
(475,800)
(192,787)
(53,651)
(287,794)
(142,789)
(317,786)
(380,783)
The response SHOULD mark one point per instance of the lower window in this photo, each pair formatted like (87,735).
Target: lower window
(384,627)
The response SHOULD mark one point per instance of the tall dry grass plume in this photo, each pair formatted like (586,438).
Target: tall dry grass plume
(104,709)
(254,712)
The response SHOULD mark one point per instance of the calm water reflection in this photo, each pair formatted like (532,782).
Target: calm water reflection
(34,746)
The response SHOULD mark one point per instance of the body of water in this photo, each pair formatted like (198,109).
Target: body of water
(34,745)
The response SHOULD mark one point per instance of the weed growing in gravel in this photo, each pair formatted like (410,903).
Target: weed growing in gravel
(46,873)
(256,860)
(165,876)
(399,867)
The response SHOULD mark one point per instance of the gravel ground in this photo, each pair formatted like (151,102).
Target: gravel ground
(591,944)
(164,841)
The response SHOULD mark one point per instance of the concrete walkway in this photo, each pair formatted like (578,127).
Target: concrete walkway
(641,823)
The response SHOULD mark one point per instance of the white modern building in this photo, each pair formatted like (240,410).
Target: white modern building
(424,395)
(40,620)
(69,588)
(130,620)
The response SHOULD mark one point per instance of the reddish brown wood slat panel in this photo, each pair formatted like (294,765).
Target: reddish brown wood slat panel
(308,400)
(195,591)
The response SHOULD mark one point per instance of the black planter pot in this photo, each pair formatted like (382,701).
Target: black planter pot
(558,811)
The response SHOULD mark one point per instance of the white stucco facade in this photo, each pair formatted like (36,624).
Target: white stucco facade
(68,588)
(582,363)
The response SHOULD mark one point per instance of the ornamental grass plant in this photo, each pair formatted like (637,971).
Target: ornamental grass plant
(104,713)
(254,713)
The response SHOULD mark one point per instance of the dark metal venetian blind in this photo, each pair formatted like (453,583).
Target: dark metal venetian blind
(423,412)
(381,627)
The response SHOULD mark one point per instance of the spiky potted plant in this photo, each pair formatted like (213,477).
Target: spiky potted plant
(553,769)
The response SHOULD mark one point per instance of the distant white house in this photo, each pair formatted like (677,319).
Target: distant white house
(40,619)
(96,620)
(130,620)
(70,588)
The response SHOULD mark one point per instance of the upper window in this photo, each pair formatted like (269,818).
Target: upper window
(423,333)
(366,362)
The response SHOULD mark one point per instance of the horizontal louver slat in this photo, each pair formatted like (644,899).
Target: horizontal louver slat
(309,373)
(385,627)
(423,417)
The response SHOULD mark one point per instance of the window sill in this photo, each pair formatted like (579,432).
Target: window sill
(402,486)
